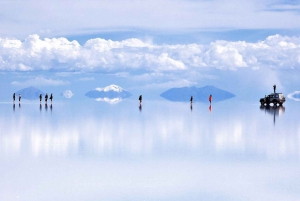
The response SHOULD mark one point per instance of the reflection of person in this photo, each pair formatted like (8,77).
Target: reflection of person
(41,97)
(14,97)
(19,97)
(210,98)
(51,97)
(210,108)
(46,98)
(140,99)
(274,87)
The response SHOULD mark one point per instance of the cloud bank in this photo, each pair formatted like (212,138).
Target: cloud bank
(135,55)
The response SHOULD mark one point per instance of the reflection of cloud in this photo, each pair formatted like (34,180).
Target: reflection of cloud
(167,127)
(41,81)
(110,100)
(294,96)
(67,94)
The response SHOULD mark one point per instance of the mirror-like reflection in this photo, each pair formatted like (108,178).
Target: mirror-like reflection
(273,110)
(164,151)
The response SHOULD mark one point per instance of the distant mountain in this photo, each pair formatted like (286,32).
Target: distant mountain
(109,92)
(30,93)
(199,94)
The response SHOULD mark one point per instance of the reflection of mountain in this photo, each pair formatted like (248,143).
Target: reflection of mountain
(108,94)
(199,94)
(30,93)
(110,100)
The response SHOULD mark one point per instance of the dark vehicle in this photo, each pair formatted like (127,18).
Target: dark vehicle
(275,98)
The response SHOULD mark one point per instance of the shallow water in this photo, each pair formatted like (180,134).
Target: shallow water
(163,151)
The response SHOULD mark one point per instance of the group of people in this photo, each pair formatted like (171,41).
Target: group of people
(14,97)
(209,99)
(41,97)
(46,98)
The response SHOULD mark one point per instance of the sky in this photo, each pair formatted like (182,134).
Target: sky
(147,47)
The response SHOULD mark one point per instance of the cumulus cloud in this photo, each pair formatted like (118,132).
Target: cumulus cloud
(41,81)
(67,94)
(100,55)
(294,96)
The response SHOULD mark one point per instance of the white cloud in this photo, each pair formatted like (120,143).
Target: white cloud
(294,96)
(41,81)
(67,94)
(100,55)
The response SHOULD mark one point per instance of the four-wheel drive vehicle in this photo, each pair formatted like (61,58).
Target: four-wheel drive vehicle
(275,98)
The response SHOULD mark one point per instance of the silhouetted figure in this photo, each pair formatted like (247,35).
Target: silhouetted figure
(20,97)
(40,107)
(51,97)
(14,97)
(14,106)
(191,100)
(274,87)
(46,106)
(46,98)
(41,97)
(140,99)
(210,98)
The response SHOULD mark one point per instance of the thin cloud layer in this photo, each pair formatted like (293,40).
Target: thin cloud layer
(50,17)
(41,81)
(135,55)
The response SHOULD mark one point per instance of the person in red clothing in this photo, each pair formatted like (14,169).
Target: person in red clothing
(210,98)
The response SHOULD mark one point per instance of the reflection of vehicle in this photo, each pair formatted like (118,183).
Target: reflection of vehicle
(273,110)
(275,98)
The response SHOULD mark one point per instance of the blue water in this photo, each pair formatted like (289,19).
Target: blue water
(163,151)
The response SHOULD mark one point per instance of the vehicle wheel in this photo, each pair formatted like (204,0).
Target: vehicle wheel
(262,102)
(274,103)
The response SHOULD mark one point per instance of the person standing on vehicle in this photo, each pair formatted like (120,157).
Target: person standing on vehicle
(274,87)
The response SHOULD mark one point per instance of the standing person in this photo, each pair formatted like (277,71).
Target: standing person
(140,99)
(274,87)
(46,98)
(20,97)
(191,100)
(210,98)
(14,97)
(41,96)
(51,97)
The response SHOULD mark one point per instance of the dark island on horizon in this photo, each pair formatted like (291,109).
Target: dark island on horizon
(200,94)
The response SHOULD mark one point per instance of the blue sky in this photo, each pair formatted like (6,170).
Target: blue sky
(150,46)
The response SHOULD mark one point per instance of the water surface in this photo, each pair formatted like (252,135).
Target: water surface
(163,151)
